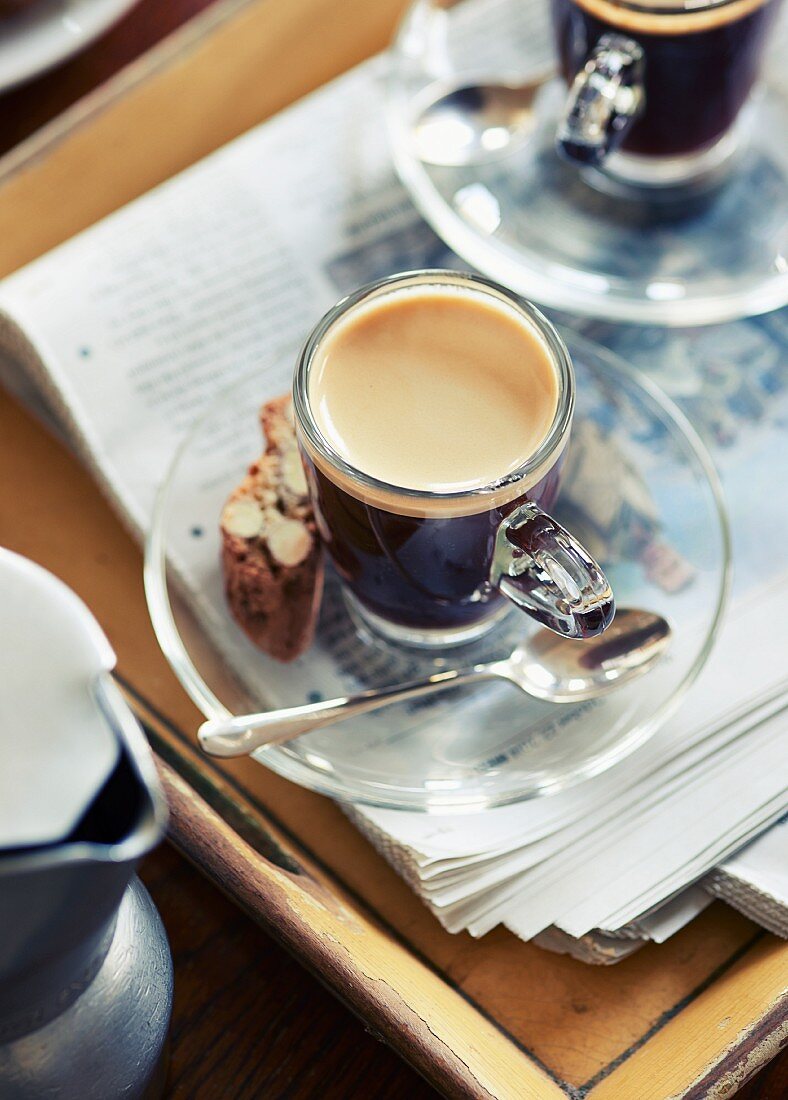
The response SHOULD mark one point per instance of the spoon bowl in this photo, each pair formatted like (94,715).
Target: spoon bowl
(474,123)
(545,666)
(563,670)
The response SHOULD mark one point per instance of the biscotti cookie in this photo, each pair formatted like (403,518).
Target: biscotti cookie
(271,554)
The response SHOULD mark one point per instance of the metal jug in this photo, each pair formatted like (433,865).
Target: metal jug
(85,968)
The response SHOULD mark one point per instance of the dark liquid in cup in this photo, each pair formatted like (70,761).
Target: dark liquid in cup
(440,391)
(424,573)
(696,80)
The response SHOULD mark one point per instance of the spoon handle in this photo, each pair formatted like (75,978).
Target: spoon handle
(241,735)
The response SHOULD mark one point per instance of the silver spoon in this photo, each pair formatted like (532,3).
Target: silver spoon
(546,666)
(476,122)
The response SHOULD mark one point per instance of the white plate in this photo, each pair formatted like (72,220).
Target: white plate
(49,31)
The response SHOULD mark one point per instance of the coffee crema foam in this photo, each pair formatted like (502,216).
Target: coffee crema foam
(668,17)
(437,388)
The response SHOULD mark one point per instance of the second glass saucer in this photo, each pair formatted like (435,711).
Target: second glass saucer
(640,492)
(532,222)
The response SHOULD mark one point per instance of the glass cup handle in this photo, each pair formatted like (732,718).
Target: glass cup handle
(604,100)
(544,570)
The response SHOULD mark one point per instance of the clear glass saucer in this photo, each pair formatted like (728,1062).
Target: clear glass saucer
(532,222)
(640,491)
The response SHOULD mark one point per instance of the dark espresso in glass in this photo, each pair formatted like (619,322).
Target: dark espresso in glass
(420,572)
(429,408)
(698,65)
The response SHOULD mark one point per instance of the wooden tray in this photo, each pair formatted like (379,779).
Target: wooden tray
(493,1018)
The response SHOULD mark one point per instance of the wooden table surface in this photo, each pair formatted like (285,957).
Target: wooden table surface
(248,1021)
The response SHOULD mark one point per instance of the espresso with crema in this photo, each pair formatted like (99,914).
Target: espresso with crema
(700,63)
(443,391)
(435,389)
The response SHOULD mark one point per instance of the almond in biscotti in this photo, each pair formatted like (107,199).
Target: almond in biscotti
(271,553)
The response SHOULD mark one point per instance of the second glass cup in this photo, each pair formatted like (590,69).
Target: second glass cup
(439,565)
(663,81)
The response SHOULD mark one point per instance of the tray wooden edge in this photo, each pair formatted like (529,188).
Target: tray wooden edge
(242,50)
(397,995)
(711,1044)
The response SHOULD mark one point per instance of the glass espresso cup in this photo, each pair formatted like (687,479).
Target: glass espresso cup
(656,87)
(425,567)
